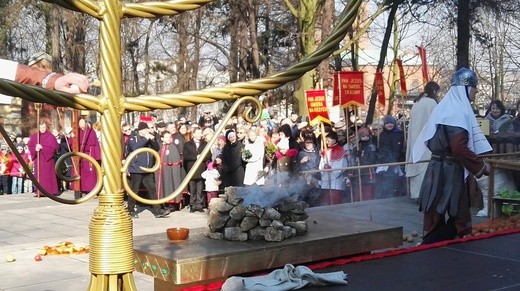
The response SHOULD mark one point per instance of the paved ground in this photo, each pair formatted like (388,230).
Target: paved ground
(27,224)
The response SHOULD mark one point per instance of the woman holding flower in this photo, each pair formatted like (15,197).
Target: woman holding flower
(253,155)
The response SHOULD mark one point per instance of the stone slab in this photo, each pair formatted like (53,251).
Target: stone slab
(200,259)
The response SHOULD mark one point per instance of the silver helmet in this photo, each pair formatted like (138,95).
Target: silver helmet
(464,77)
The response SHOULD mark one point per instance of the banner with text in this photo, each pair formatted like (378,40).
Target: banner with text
(380,86)
(317,106)
(351,89)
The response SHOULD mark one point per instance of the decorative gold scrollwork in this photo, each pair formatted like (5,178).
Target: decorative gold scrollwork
(99,174)
(249,110)
(25,166)
(197,164)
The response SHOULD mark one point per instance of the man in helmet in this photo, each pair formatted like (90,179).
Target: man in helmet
(454,137)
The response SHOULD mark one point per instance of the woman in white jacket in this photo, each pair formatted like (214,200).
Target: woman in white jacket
(253,155)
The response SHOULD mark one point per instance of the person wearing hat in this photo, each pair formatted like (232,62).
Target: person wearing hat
(212,181)
(233,167)
(455,139)
(308,160)
(143,139)
(390,150)
(366,153)
(333,183)
(285,162)
(40,60)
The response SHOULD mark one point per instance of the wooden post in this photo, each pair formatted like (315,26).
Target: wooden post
(38,107)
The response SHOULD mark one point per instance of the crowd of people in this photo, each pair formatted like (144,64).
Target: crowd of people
(286,152)
(273,152)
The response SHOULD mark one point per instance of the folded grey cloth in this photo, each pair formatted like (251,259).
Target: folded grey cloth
(288,278)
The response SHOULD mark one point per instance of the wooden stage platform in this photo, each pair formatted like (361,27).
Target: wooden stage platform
(200,260)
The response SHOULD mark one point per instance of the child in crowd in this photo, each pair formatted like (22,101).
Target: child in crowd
(285,162)
(17,171)
(211,180)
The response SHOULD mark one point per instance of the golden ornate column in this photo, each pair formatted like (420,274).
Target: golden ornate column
(110,231)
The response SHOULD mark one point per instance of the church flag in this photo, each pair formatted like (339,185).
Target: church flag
(424,67)
(351,89)
(317,106)
(380,86)
(402,80)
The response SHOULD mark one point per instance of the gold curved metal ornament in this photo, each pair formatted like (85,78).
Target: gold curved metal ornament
(25,166)
(99,174)
(197,164)
(110,230)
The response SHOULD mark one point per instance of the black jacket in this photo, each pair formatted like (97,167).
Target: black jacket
(190,157)
(145,160)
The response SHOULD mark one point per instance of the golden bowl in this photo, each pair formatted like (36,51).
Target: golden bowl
(177,234)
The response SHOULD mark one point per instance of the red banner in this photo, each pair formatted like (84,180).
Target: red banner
(380,86)
(402,80)
(335,91)
(422,55)
(317,106)
(351,90)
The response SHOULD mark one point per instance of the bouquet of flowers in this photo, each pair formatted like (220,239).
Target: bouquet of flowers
(270,150)
(246,154)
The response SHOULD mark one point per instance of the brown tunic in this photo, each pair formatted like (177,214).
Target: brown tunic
(444,188)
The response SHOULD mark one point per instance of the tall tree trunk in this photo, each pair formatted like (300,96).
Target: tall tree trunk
(306,14)
(233,48)
(195,60)
(147,58)
(463,33)
(183,77)
(55,38)
(267,44)
(327,21)
(381,63)
(75,41)
(253,38)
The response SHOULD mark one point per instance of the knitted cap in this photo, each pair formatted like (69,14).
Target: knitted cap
(389,119)
(142,125)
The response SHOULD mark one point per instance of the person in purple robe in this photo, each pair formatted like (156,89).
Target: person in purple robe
(88,144)
(42,146)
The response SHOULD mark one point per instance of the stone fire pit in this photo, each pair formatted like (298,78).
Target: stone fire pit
(256,213)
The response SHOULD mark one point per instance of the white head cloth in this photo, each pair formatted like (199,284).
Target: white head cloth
(453,110)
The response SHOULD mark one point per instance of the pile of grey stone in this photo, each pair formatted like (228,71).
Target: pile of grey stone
(231,219)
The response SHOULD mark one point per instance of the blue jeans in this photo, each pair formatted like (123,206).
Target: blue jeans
(17,185)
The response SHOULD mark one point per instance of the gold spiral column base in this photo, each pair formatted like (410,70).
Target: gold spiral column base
(111,245)
(124,282)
